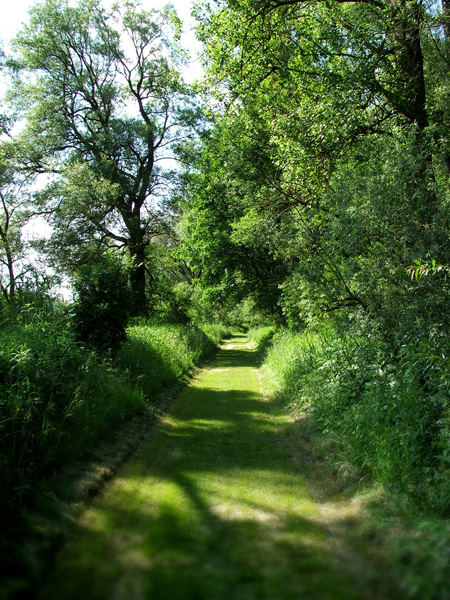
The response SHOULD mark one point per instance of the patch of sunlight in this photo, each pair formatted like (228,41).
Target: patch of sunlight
(205,515)
(183,427)
(98,522)
(179,434)
(127,548)
(257,415)
(264,488)
(137,493)
(208,423)
(240,512)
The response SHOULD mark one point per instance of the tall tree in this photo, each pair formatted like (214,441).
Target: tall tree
(379,40)
(362,60)
(230,183)
(353,126)
(105,105)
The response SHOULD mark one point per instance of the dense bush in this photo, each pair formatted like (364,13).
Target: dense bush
(386,411)
(103,302)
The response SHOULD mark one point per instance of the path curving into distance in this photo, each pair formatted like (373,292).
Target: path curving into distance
(211,508)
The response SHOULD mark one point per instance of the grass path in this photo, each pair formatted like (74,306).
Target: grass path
(211,508)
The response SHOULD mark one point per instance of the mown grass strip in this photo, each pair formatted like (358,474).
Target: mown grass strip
(212,507)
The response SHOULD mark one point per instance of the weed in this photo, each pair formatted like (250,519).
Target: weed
(386,413)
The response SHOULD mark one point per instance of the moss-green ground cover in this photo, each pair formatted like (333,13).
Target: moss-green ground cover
(211,508)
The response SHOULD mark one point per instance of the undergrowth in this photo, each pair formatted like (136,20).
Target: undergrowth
(57,397)
(387,415)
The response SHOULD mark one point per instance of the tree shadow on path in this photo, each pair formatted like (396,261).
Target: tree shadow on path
(211,509)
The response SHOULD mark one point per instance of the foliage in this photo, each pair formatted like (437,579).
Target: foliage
(417,547)
(175,301)
(261,337)
(322,178)
(15,266)
(228,182)
(155,354)
(216,332)
(58,397)
(388,413)
(103,101)
(419,270)
(102,306)
(388,416)
(321,193)
(247,315)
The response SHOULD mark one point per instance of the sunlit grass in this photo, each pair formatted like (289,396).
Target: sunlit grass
(211,508)
(373,423)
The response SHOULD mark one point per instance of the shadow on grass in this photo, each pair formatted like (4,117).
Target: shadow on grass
(212,509)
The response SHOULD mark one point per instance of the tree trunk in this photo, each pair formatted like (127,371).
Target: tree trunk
(11,287)
(406,29)
(138,279)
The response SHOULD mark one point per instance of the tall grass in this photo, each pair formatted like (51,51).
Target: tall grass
(216,332)
(387,413)
(156,354)
(57,398)
(260,337)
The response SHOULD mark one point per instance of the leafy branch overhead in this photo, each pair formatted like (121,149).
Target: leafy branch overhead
(301,186)
(104,103)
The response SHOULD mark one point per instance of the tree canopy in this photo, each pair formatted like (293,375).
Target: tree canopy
(105,106)
(333,156)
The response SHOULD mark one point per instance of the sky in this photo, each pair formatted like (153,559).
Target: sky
(15,13)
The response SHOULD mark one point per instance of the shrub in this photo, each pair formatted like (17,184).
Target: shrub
(103,302)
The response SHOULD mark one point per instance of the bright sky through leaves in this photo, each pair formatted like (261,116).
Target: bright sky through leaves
(16,14)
